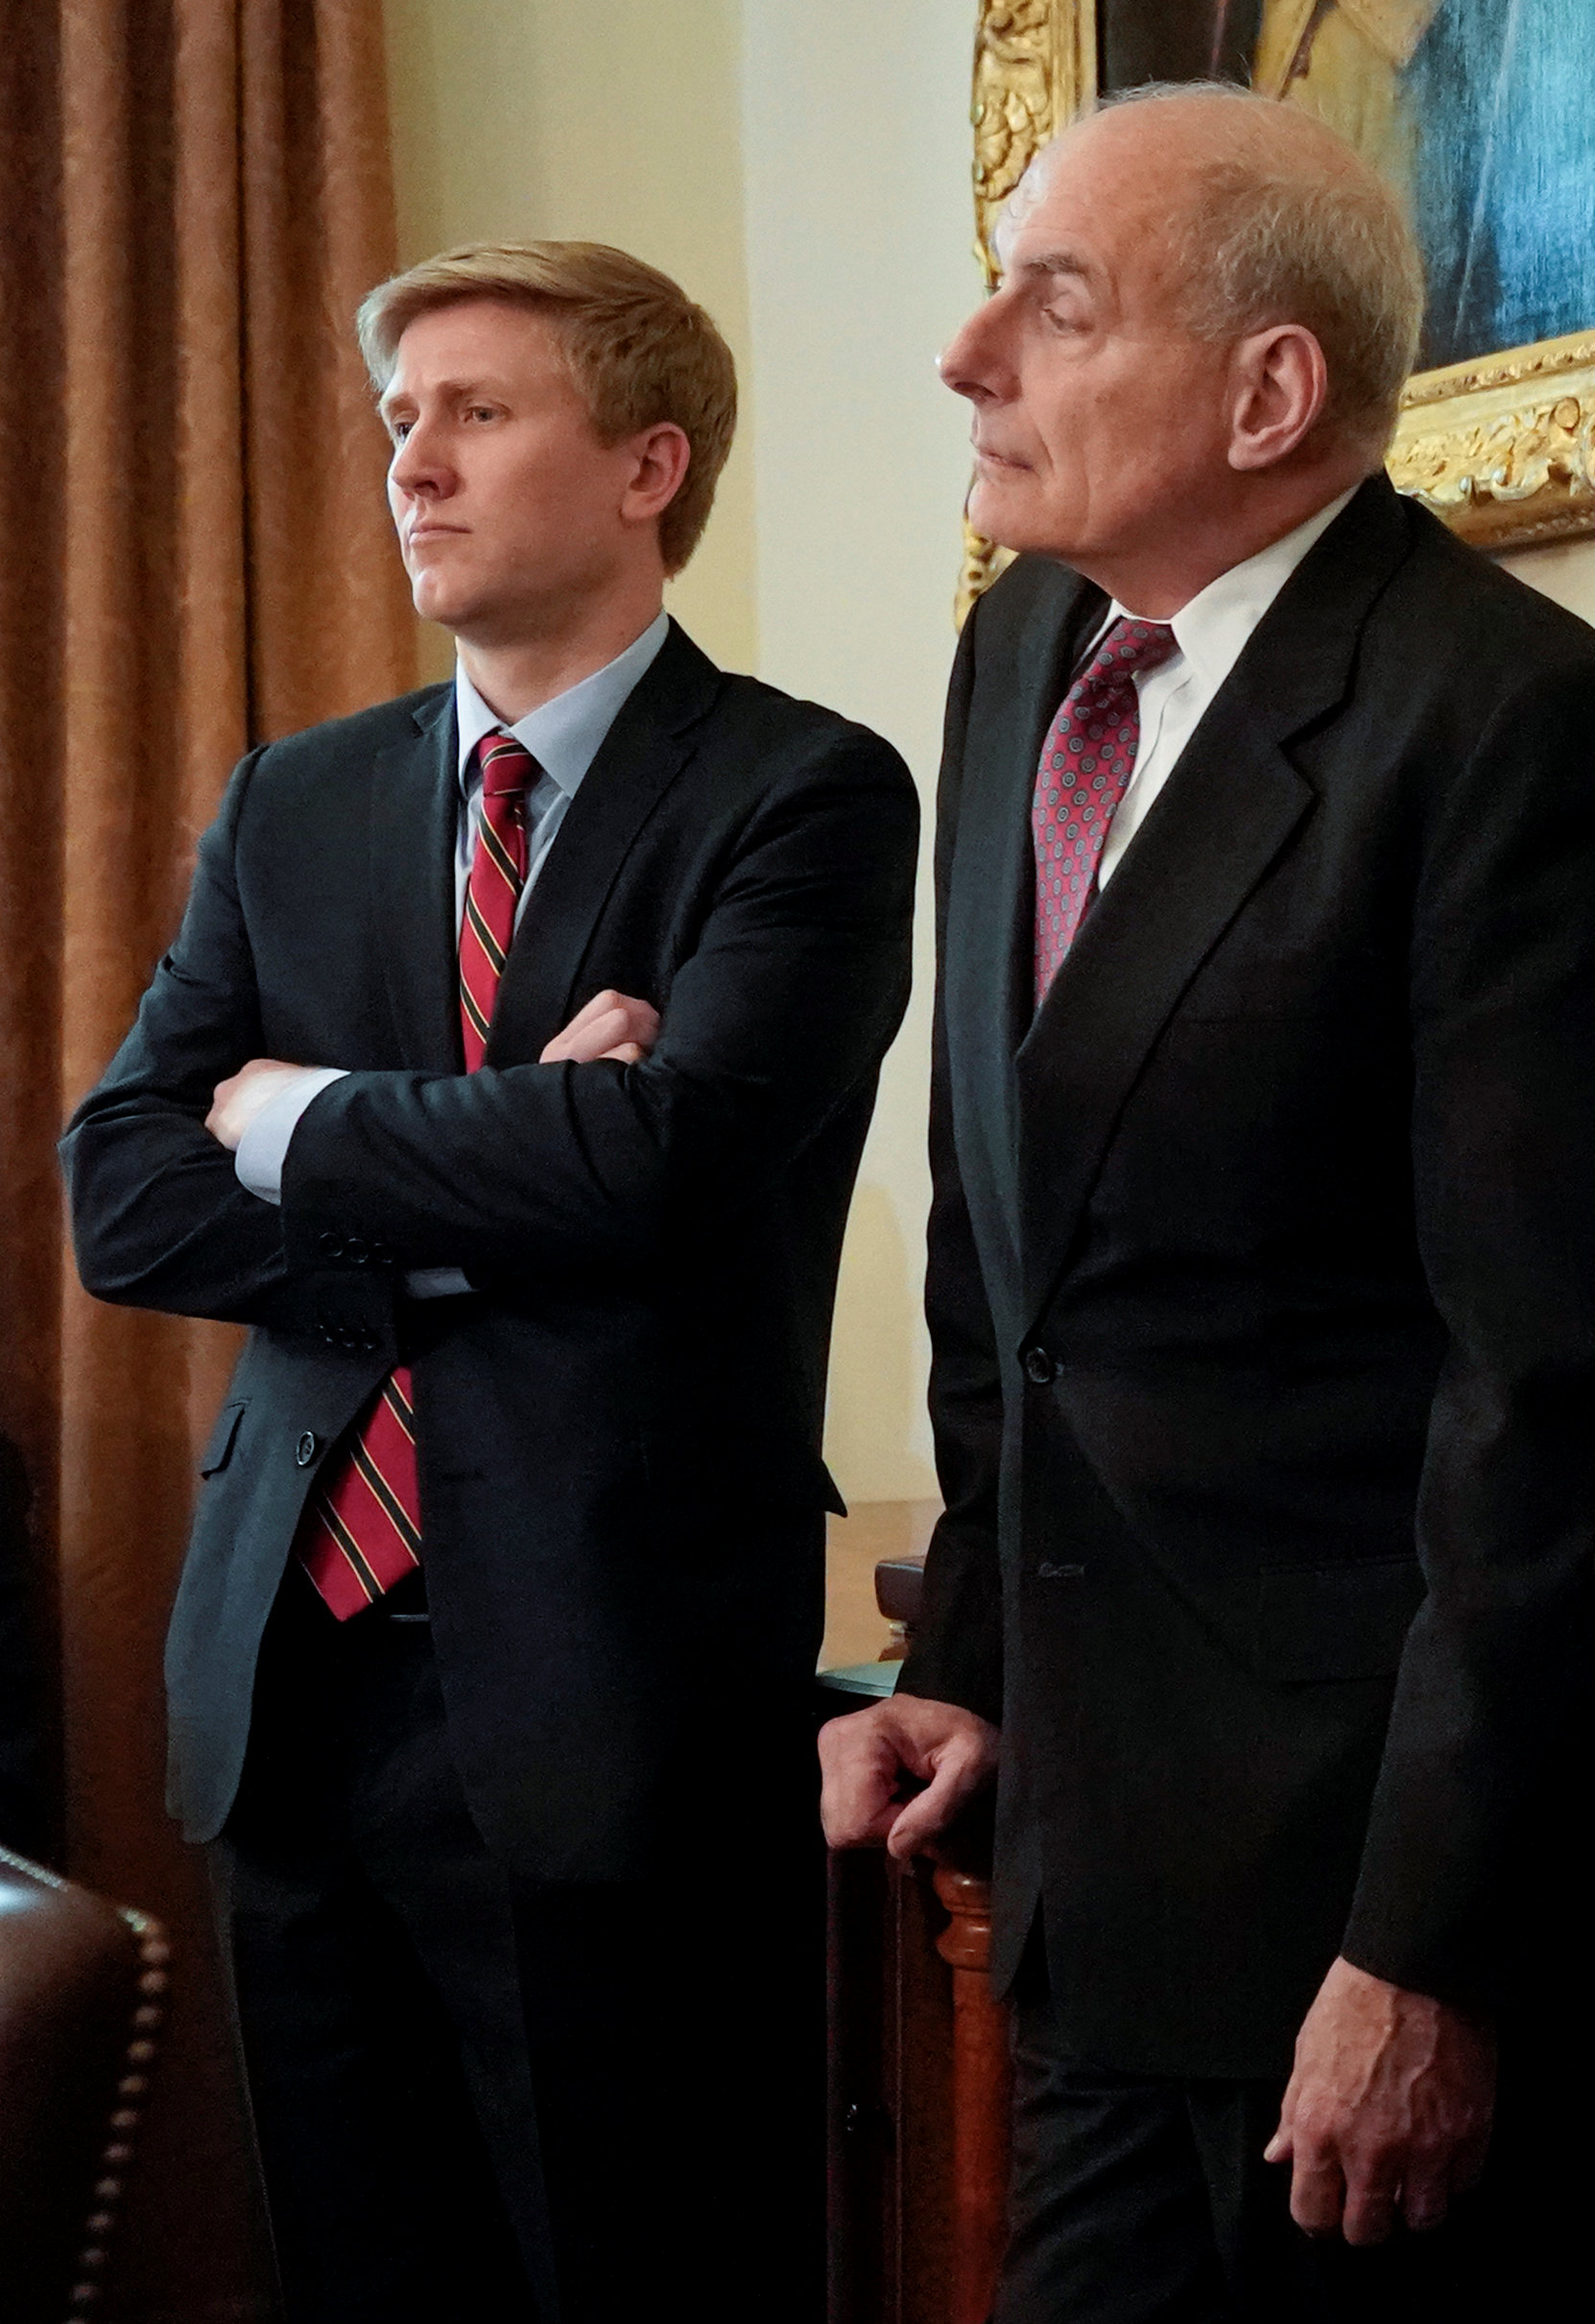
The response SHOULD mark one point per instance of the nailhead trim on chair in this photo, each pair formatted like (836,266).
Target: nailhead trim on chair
(148,2011)
(154,1953)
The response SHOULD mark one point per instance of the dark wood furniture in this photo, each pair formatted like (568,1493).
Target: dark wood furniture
(982,2089)
(83,1987)
(919,2059)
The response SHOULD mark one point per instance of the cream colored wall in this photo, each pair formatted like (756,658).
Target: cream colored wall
(856,146)
(1565,571)
(520,118)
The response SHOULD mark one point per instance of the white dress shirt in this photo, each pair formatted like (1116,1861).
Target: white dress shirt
(1210,632)
(564,736)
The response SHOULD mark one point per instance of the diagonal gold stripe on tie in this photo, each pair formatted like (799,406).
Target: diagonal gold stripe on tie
(485,937)
(468,1001)
(476,969)
(386,1498)
(351,1550)
(498,856)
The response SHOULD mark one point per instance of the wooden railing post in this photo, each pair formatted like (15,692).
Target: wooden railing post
(982,2089)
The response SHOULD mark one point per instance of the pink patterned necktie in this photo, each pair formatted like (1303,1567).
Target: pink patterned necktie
(362,1532)
(1086,763)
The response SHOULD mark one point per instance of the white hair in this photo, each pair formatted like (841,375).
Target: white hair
(1286,223)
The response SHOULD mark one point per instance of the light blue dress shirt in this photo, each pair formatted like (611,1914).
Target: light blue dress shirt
(564,736)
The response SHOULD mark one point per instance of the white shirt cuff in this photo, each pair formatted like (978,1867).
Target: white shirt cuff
(259,1158)
(264,1145)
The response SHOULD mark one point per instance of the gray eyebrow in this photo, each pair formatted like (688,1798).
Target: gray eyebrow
(1059,262)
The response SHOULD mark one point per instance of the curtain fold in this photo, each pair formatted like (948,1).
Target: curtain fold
(197,194)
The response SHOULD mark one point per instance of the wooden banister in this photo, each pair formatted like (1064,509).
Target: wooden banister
(920,2068)
(982,2089)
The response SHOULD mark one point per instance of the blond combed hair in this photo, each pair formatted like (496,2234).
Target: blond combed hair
(1286,223)
(639,350)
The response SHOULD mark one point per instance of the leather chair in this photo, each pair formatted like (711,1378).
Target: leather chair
(82,1991)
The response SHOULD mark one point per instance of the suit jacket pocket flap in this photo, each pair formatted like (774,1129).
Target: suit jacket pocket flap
(219,1451)
(1342,1621)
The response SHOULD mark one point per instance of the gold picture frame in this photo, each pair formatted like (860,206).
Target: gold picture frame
(1502,446)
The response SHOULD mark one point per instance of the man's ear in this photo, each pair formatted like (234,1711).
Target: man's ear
(660,458)
(1279,384)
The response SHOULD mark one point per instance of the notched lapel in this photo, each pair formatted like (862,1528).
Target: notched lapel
(1229,808)
(640,758)
(1202,849)
(415,830)
(988,951)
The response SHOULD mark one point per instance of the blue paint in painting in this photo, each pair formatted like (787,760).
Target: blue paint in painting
(1503,93)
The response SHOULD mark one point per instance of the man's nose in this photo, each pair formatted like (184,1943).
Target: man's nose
(970,363)
(417,465)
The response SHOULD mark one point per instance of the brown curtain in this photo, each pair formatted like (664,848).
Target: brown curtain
(194,194)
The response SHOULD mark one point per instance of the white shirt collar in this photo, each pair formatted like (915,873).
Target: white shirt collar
(563,735)
(1211,631)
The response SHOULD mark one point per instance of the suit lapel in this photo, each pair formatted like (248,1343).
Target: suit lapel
(415,828)
(639,758)
(1231,806)
(989,949)
(1199,856)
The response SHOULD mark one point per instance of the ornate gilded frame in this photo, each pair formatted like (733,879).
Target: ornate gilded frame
(1502,447)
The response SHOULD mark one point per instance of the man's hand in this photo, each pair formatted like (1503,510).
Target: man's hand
(867,1756)
(611,1025)
(1388,2110)
(237,1101)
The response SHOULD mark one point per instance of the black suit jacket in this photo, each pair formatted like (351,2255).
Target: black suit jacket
(621,1483)
(1262,1297)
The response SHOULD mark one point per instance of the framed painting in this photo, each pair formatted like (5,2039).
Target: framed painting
(1482,113)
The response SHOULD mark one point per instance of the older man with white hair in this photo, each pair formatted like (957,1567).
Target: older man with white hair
(1262,1275)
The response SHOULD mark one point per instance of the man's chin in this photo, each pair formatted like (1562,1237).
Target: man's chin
(1003,514)
(433,602)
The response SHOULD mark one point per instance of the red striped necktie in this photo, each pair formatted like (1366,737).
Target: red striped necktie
(362,1532)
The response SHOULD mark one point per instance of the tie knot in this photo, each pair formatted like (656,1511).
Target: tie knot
(1131,646)
(506,766)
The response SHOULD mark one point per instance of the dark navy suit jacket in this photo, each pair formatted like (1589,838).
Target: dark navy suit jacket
(619,1429)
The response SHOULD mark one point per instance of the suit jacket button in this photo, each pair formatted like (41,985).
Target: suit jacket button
(1038,1365)
(357,1252)
(330,1245)
(305,1451)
